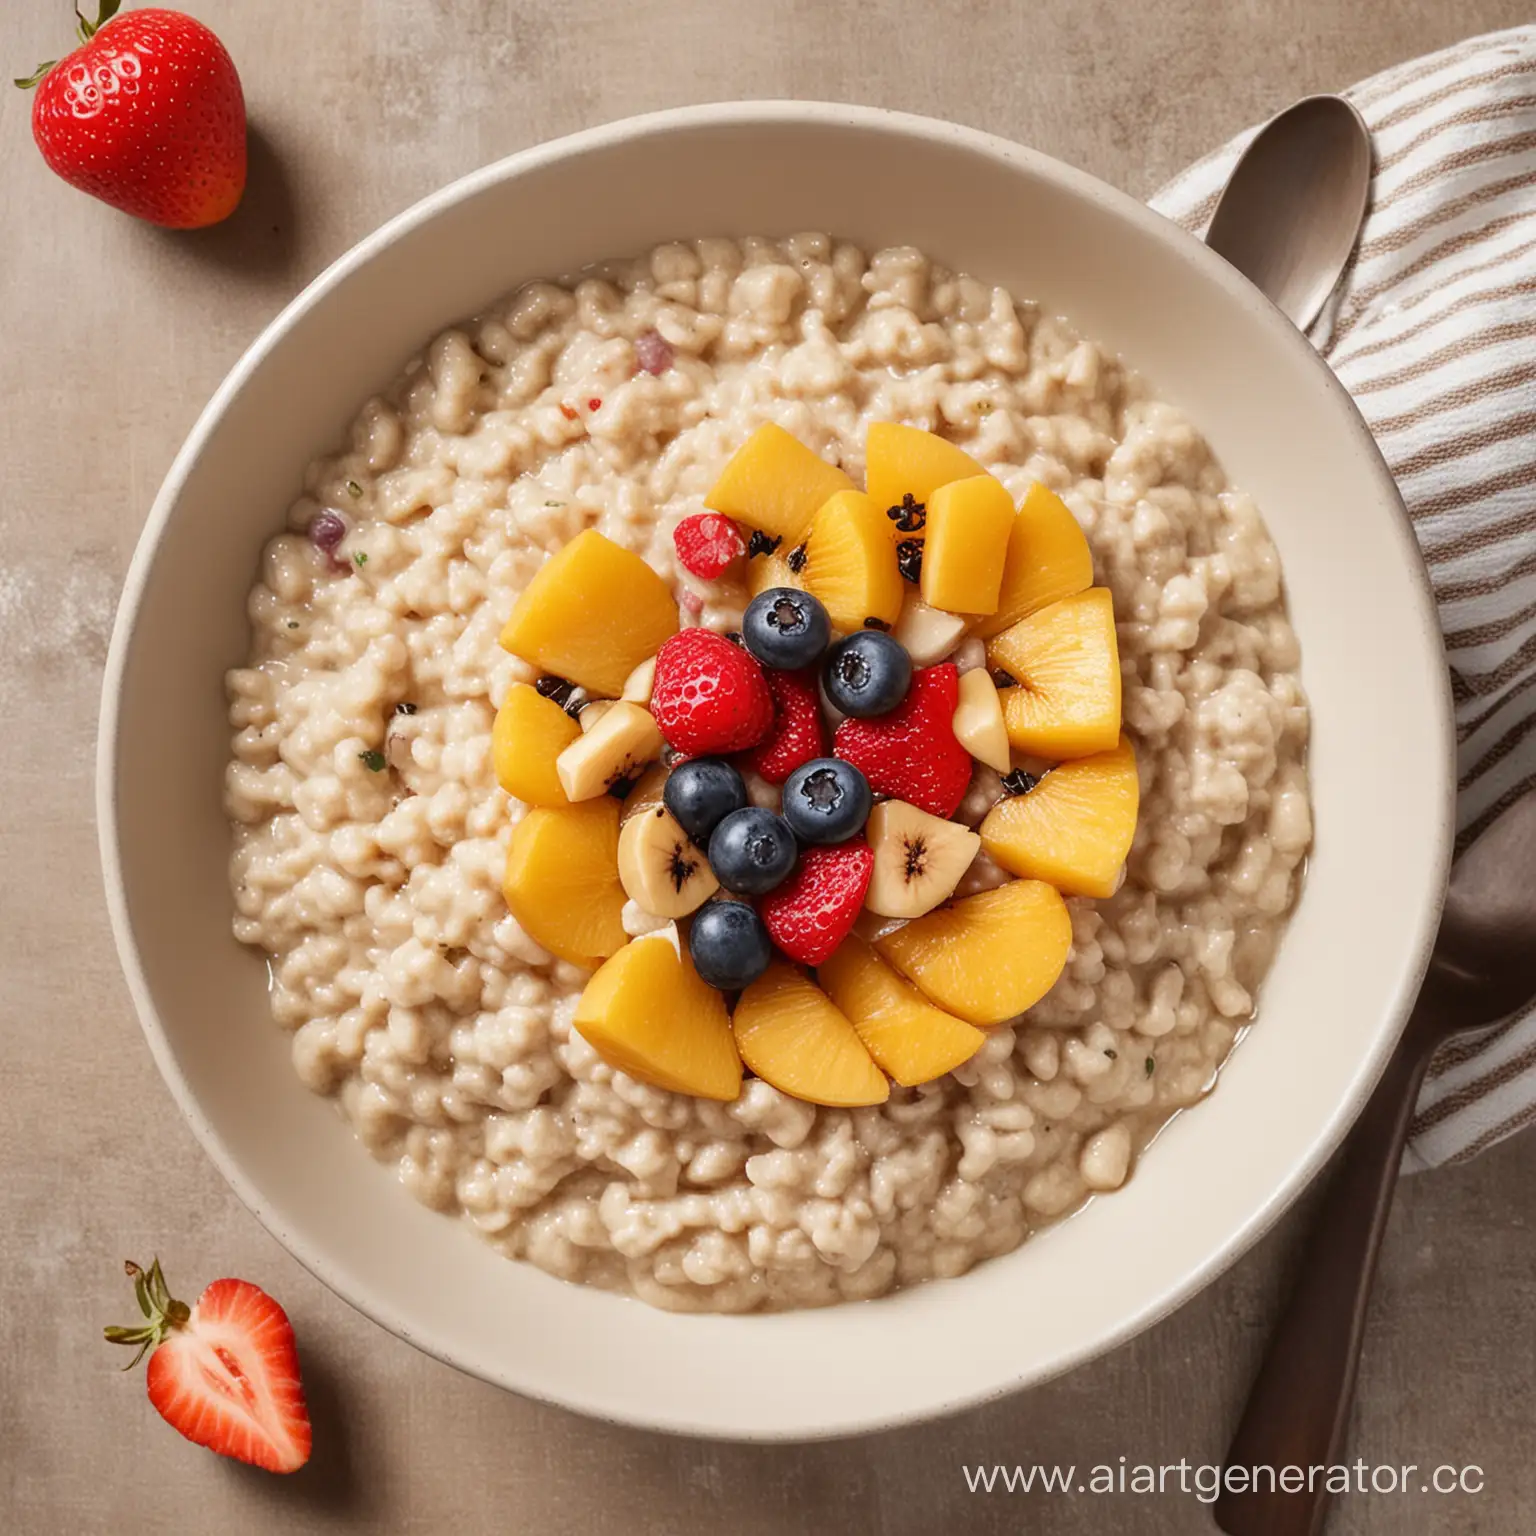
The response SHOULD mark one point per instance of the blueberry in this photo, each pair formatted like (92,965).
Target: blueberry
(826,801)
(786,629)
(867,674)
(729,945)
(751,851)
(701,793)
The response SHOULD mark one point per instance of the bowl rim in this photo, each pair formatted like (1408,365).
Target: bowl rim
(750,113)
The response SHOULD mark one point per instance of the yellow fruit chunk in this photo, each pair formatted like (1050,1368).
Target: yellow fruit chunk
(1074,828)
(562,880)
(1048,559)
(647,1013)
(774,482)
(1067,664)
(529,734)
(592,614)
(969,522)
(790,1033)
(764,571)
(850,563)
(910,1038)
(989,957)
(906,461)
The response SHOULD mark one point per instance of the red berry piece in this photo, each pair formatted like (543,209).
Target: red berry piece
(706,543)
(812,912)
(797,734)
(709,697)
(911,754)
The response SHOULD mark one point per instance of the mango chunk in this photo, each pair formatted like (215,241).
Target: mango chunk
(592,614)
(1066,661)
(1048,559)
(529,734)
(906,461)
(990,956)
(647,1013)
(765,571)
(775,483)
(908,1037)
(850,563)
(562,880)
(969,522)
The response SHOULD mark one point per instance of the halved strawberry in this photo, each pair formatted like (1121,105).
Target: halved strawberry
(812,912)
(709,697)
(797,733)
(225,1373)
(912,754)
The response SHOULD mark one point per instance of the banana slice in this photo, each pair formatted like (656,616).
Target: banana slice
(647,791)
(593,712)
(929,634)
(978,721)
(919,859)
(617,747)
(639,683)
(661,870)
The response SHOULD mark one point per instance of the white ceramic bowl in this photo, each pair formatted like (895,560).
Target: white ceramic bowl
(1381,766)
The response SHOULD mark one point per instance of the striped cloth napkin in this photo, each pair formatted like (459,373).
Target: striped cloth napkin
(1432,332)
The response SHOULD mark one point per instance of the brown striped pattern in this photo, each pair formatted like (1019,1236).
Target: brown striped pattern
(1433,331)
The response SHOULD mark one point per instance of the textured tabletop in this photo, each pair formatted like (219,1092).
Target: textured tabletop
(112,335)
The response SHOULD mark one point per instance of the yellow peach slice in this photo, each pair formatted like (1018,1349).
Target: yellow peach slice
(1048,559)
(775,483)
(562,880)
(529,734)
(969,522)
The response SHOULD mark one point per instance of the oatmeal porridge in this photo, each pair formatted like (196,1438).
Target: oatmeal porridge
(372,836)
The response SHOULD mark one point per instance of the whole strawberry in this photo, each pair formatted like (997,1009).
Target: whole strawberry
(224,1373)
(797,734)
(912,753)
(709,697)
(812,912)
(147,115)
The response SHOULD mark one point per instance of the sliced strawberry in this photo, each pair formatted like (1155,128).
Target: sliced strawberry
(224,1373)
(797,734)
(709,696)
(812,912)
(706,543)
(911,754)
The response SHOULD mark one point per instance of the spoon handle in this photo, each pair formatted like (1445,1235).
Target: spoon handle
(1298,1408)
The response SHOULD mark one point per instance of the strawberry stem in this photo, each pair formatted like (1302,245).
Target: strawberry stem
(37,74)
(89,29)
(163,1313)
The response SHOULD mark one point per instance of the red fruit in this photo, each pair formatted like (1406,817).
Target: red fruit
(797,734)
(224,1373)
(148,116)
(911,754)
(706,543)
(811,913)
(709,696)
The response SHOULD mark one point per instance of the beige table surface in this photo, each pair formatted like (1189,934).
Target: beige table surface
(112,335)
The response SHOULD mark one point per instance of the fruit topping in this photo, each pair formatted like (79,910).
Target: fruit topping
(928,634)
(562,880)
(849,563)
(647,790)
(771,571)
(978,721)
(529,735)
(775,483)
(907,1036)
(1048,559)
(752,850)
(988,957)
(903,462)
(761,544)
(812,912)
(662,870)
(647,1012)
(798,732)
(792,1035)
(709,696)
(967,537)
(911,754)
(701,794)
(910,517)
(638,685)
(1075,826)
(919,859)
(707,543)
(786,629)
(592,613)
(622,739)
(867,674)
(1067,662)
(826,801)
(909,560)
(729,945)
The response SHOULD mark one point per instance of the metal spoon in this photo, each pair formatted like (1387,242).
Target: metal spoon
(1483,970)
(1294,204)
